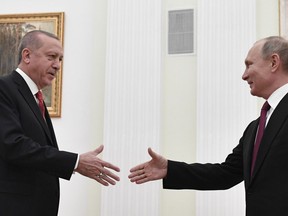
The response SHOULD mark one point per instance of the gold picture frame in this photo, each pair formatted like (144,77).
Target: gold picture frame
(12,28)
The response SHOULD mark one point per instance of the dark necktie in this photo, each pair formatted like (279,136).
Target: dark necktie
(260,133)
(39,96)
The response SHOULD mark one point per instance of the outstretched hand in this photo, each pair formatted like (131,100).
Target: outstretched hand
(154,169)
(93,167)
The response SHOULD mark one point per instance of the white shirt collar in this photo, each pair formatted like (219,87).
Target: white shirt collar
(32,86)
(277,96)
(275,99)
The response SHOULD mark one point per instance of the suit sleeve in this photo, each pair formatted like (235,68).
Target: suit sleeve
(198,176)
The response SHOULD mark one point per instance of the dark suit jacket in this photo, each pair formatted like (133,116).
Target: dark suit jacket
(30,162)
(267,189)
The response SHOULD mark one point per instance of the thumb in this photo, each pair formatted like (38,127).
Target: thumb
(99,149)
(153,154)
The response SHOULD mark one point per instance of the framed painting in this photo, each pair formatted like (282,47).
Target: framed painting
(12,28)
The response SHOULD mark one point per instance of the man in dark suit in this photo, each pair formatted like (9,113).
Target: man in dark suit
(266,185)
(30,161)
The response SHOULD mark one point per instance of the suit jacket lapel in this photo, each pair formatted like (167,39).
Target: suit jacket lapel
(248,148)
(50,127)
(29,98)
(279,115)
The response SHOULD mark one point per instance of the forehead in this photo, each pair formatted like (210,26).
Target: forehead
(255,51)
(51,44)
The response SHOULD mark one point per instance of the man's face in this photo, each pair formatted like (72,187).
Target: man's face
(45,62)
(258,72)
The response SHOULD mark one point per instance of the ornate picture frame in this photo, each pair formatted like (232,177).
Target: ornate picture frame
(12,28)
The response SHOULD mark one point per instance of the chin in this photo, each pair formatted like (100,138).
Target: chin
(49,81)
(253,93)
(47,84)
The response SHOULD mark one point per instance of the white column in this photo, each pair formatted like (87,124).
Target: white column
(132,102)
(226,30)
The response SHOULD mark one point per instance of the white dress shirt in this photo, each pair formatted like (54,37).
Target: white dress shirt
(275,99)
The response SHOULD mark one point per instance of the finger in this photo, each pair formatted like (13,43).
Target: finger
(107,179)
(107,172)
(136,178)
(139,174)
(101,181)
(138,167)
(132,175)
(112,175)
(140,179)
(136,173)
(110,166)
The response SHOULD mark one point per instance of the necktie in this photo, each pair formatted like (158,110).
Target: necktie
(261,128)
(39,96)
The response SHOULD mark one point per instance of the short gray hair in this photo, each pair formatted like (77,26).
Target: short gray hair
(32,41)
(278,45)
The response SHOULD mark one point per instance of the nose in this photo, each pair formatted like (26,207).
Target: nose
(56,64)
(245,75)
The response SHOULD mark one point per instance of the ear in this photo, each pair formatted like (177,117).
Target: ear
(26,55)
(275,61)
